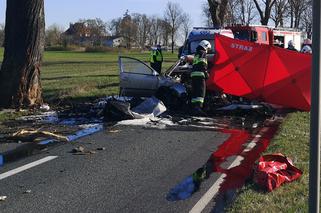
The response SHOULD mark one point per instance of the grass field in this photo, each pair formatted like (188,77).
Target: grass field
(80,76)
(84,76)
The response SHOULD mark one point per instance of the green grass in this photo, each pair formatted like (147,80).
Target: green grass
(292,141)
(81,76)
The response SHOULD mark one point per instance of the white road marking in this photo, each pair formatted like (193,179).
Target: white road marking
(27,166)
(208,196)
(212,192)
(231,162)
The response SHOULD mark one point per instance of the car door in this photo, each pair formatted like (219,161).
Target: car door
(137,78)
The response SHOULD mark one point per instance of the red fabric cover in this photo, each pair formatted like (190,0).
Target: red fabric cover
(261,72)
(274,170)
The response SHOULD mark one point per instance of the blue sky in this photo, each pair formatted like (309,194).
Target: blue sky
(62,12)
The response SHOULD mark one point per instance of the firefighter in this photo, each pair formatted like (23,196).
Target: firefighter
(198,76)
(156,59)
(307,46)
(291,46)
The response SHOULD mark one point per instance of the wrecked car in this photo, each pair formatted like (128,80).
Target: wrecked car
(139,79)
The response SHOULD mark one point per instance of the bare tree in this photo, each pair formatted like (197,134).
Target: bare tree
(166,31)
(24,44)
(264,8)
(128,29)
(245,11)
(207,15)
(173,14)
(218,9)
(297,8)
(53,35)
(241,11)
(155,30)
(114,26)
(143,26)
(186,24)
(307,19)
(279,11)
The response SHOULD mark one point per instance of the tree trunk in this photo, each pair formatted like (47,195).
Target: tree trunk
(172,42)
(214,11)
(24,44)
(223,11)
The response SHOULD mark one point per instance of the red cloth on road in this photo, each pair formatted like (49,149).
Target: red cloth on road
(274,170)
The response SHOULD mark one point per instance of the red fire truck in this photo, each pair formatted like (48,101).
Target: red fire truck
(267,35)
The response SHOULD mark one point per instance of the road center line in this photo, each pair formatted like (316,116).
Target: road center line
(212,192)
(208,196)
(27,166)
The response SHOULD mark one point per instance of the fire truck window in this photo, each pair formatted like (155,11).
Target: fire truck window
(253,36)
(242,35)
(264,36)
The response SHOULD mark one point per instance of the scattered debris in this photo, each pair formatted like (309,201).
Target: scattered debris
(87,129)
(45,107)
(80,150)
(151,107)
(34,135)
(114,131)
(3,198)
(46,117)
(240,106)
(101,148)
(116,110)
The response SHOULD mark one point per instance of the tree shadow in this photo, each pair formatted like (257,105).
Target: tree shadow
(86,76)
(51,63)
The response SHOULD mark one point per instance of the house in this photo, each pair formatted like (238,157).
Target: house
(113,41)
(78,34)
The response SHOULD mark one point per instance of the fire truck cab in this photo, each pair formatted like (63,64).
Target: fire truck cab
(267,35)
(257,34)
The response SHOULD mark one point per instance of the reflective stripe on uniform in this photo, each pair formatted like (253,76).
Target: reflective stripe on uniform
(152,57)
(197,60)
(197,100)
(197,74)
(159,57)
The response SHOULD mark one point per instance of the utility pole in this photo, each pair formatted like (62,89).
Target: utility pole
(315,130)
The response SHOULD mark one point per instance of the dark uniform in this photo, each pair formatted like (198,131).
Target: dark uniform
(198,75)
(156,60)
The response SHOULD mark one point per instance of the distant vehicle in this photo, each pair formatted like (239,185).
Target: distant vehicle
(267,35)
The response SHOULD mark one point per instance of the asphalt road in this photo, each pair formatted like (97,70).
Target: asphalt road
(134,173)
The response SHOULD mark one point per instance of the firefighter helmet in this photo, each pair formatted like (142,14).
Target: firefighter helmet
(205,44)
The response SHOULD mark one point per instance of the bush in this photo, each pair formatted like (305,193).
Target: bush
(62,48)
(99,49)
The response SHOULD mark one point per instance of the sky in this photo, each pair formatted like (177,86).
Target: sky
(62,12)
